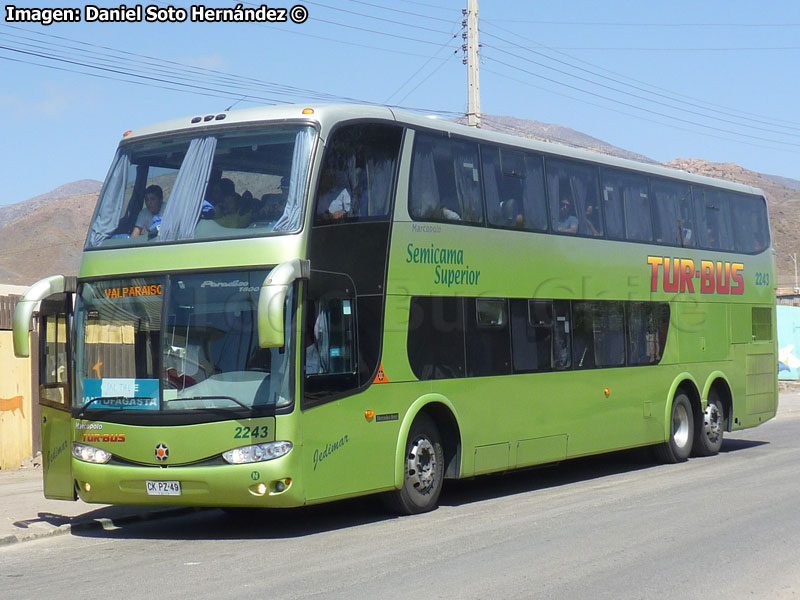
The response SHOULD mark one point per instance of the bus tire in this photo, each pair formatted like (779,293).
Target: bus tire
(681,432)
(423,471)
(710,431)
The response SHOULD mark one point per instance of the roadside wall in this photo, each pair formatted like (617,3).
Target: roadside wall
(19,414)
(16,411)
(788,342)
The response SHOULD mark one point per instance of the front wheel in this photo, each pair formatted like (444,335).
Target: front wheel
(423,470)
(708,435)
(679,445)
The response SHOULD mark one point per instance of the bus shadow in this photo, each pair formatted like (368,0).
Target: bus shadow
(572,471)
(265,524)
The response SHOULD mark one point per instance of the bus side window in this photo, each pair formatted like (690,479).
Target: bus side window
(487,337)
(330,339)
(627,206)
(599,334)
(712,211)
(582,335)
(672,214)
(574,203)
(436,337)
(445,180)
(533,336)
(562,335)
(749,215)
(514,189)
(357,174)
(648,325)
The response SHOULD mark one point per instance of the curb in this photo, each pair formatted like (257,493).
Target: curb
(101,523)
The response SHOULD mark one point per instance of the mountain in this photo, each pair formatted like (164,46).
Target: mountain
(46,239)
(11,213)
(556,134)
(45,235)
(792,184)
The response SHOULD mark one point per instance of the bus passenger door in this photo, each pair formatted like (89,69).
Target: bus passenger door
(55,397)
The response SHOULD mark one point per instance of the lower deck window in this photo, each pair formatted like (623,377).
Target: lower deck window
(474,337)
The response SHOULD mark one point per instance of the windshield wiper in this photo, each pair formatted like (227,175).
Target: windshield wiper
(93,400)
(232,399)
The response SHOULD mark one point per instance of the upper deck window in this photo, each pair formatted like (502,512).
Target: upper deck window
(672,214)
(445,180)
(357,174)
(235,184)
(574,204)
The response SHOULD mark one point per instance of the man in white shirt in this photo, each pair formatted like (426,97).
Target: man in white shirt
(153,203)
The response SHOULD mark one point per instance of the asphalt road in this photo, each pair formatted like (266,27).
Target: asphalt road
(610,527)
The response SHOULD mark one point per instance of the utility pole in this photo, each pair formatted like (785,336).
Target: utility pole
(793,256)
(471,47)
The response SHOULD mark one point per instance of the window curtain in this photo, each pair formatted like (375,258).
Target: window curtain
(424,184)
(113,196)
(293,212)
(379,183)
(553,190)
(492,189)
(182,211)
(468,187)
(535,210)
(578,188)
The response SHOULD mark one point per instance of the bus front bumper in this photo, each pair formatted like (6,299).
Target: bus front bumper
(263,484)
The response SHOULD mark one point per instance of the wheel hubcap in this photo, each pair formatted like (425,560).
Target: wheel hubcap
(680,426)
(712,422)
(421,465)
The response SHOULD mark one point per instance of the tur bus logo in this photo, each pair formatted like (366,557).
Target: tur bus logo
(681,275)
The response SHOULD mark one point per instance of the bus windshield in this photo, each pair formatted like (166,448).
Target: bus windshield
(229,184)
(178,343)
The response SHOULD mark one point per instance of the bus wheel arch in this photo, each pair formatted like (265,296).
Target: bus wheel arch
(714,420)
(428,451)
(683,412)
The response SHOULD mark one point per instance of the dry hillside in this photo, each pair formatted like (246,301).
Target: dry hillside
(46,241)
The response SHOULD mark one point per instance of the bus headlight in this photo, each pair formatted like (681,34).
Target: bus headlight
(90,454)
(257,452)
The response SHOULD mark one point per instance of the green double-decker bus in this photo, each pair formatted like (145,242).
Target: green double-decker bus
(285,306)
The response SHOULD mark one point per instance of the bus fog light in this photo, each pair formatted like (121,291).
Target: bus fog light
(257,453)
(90,454)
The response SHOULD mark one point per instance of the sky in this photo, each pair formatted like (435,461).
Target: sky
(716,80)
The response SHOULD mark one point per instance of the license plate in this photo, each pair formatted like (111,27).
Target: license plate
(163,488)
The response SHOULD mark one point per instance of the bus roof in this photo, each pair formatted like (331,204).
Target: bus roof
(328,115)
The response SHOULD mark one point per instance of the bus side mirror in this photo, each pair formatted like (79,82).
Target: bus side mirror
(44,288)
(272,299)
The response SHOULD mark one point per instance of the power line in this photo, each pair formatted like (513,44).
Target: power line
(669,93)
(221,87)
(638,88)
(394,9)
(425,64)
(395,22)
(640,117)
(641,108)
(629,24)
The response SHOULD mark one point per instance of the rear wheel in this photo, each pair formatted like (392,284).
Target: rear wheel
(709,433)
(679,445)
(423,470)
